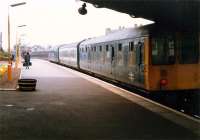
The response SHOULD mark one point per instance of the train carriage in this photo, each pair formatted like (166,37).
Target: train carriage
(164,62)
(53,54)
(147,57)
(68,54)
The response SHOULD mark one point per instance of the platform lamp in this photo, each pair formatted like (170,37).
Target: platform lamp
(9,52)
(17,47)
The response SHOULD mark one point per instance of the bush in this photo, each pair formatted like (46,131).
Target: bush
(4,56)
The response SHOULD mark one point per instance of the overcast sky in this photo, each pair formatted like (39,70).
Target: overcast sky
(57,21)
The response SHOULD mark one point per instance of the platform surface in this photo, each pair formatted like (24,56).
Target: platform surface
(66,106)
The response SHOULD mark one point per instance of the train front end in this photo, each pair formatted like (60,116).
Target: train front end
(174,62)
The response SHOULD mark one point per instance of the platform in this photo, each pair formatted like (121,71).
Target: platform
(71,105)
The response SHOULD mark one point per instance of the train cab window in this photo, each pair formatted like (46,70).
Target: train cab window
(107,48)
(119,47)
(100,48)
(189,50)
(163,51)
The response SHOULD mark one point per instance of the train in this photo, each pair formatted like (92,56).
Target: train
(150,58)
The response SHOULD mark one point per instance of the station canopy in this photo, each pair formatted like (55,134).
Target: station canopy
(178,13)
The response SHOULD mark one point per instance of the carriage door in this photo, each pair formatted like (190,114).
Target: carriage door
(140,62)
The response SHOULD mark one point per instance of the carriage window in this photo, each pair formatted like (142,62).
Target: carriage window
(131,45)
(112,52)
(189,50)
(86,49)
(95,49)
(140,53)
(106,47)
(119,47)
(100,48)
(163,51)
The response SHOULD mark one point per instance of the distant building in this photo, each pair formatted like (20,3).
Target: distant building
(37,48)
(109,30)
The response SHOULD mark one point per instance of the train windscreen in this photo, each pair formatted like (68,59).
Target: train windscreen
(163,50)
(189,49)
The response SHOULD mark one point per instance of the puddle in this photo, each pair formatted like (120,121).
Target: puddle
(30,109)
(9,105)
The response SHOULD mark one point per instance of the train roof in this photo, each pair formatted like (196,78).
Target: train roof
(70,45)
(118,35)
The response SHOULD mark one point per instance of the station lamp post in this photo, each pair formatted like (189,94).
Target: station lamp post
(9,50)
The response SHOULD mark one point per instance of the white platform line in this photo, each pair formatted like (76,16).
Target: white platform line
(7,89)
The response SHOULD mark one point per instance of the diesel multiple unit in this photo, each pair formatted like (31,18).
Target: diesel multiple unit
(148,57)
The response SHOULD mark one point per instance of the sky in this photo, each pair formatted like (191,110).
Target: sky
(51,22)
